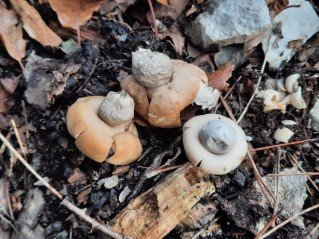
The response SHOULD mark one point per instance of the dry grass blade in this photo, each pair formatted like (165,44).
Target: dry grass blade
(271,221)
(289,220)
(253,95)
(16,132)
(34,25)
(95,224)
(293,174)
(11,34)
(298,165)
(261,183)
(284,144)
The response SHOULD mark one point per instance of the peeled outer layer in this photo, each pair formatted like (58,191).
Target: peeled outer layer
(168,100)
(138,93)
(126,147)
(199,156)
(94,137)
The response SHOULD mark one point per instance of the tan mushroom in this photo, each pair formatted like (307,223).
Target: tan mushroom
(163,103)
(95,138)
(214,143)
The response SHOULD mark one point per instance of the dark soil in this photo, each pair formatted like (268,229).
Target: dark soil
(52,152)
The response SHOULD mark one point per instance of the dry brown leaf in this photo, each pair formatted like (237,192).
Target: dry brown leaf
(45,78)
(75,13)
(250,45)
(34,25)
(179,5)
(172,31)
(11,34)
(177,38)
(78,177)
(218,79)
(7,88)
(109,6)
(277,5)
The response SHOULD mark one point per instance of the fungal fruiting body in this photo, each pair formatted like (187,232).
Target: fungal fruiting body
(214,142)
(95,138)
(162,88)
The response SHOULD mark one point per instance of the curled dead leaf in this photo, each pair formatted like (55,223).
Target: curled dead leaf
(34,25)
(75,13)
(11,34)
(217,80)
(7,88)
(277,5)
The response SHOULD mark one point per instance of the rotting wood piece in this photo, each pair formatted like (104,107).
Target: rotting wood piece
(156,212)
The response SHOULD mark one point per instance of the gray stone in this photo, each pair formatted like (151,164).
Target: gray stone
(233,54)
(228,22)
(314,116)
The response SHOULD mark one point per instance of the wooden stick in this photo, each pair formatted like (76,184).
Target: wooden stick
(66,203)
(289,220)
(156,212)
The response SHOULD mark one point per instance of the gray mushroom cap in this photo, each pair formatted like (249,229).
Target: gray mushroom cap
(213,163)
(217,136)
(151,69)
(117,108)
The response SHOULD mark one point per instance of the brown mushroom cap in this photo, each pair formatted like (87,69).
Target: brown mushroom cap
(168,100)
(138,93)
(94,137)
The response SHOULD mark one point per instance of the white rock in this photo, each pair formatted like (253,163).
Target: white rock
(227,22)
(126,191)
(291,194)
(206,97)
(109,182)
(314,116)
(291,83)
(283,135)
(297,23)
(288,122)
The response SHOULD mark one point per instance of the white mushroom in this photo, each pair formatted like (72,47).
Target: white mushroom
(206,97)
(214,142)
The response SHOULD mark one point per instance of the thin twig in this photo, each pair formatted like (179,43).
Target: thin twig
(107,230)
(153,17)
(231,88)
(261,183)
(289,220)
(25,115)
(284,144)
(227,108)
(314,230)
(16,132)
(293,174)
(298,165)
(272,220)
(255,91)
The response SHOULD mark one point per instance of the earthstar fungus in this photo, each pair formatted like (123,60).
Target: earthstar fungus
(95,138)
(214,142)
(162,88)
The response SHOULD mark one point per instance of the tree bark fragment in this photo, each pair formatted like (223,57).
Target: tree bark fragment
(156,212)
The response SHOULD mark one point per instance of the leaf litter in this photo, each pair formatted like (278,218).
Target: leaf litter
(48,74)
